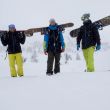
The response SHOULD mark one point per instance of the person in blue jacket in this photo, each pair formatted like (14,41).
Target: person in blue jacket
(53,47)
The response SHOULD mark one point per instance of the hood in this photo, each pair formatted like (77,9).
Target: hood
(53,27)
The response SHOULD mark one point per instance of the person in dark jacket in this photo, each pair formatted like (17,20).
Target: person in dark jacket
(90,38)
(53,46)
(13,39)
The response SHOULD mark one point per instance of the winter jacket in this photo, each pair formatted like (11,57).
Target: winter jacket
(13,41)
(89,35)
(53,40)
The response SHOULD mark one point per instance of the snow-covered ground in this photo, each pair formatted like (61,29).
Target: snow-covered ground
(69,90)
(72,89)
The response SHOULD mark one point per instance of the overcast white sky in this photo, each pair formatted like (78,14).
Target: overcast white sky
(34,13)
(37,12)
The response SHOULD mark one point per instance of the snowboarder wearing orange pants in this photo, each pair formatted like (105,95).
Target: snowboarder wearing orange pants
(13,39)
(90,38)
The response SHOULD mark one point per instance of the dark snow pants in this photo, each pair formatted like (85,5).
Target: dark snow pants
(50,62)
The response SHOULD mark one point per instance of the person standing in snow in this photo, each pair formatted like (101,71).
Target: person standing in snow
(53,47)
(13,39)
(90,38)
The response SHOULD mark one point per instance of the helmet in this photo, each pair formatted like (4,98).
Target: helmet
(85,17)
(11,26)
(52,20)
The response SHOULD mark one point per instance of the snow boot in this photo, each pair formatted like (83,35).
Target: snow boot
(49,73)
(56,72)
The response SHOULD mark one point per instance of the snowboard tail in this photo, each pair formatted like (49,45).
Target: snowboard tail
(103,22)
(99,24)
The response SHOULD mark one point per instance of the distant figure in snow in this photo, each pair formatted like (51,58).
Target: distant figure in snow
(67,58)
(53,47)
(90,38)
(34,56)
(13,39)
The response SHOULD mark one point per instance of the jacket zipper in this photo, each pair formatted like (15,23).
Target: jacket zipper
(13,42)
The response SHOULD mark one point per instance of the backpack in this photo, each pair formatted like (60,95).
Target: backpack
(54,44)
(88,30)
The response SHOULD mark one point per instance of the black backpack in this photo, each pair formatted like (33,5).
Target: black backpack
(88,30)
(54,44)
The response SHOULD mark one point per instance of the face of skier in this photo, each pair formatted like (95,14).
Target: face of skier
(12,30)
(84,19)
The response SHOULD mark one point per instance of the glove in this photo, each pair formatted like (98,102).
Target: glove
(78,46)
(45,52)
(63,49)
(98,47)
